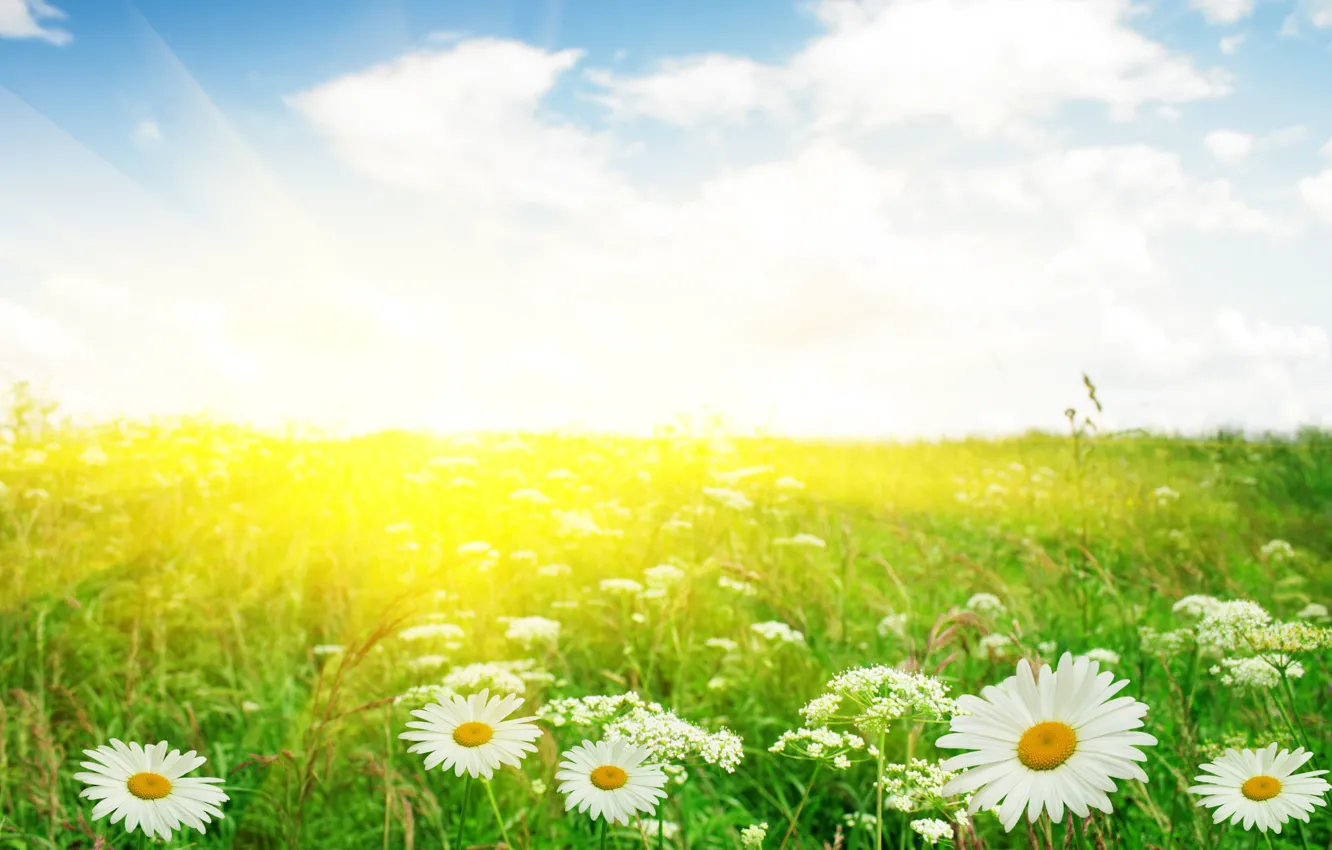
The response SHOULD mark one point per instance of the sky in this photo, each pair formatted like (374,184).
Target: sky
(885,218)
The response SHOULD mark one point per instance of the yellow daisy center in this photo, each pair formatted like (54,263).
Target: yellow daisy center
(148,786)
(608,777)
(1261,788)
(1045,746)
(472,734)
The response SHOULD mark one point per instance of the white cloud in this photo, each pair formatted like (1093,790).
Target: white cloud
(1317,194)
(1319,12)
(985,66)
(147,133)
(465,121)
(699,89)
(23,19)
(1229,44)
(1223,11)
(1229,147)
(1263,341)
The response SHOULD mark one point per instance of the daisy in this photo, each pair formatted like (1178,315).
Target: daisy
(609,778)
(147,788)
(470,735)
(1260,786)
(1046,744)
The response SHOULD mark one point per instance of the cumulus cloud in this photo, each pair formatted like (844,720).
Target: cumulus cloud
(465,120)
(1229,147)
(1223,11)
(24,19)
(987,67)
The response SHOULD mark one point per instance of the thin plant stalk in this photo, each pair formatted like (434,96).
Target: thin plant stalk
(499,819)
(462,810)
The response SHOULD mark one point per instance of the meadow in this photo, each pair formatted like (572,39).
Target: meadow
(281,602)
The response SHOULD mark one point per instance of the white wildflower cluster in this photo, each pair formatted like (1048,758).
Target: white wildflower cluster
(581,524)
(532,631)
(1313,611)
(724,644)
(620,586)
(628,717)
(873,698)
(667,829)
(428,662)
(809,541)
(1106,657)
(893,624)
(1256,673)
(663,576)
(859,820)
(328,649)
(985,603)
(1226,626)
(1164,495)
(819,744)
(932,830)
(476,547)
(554,570)
(1278,550)
(530,495)
(1165,644)
(732,499)
(786,482)
(500,677)
(441,631)
(754,835)
(996,645)
(1197,605)
(421,694)
(1289,637)
(778,632)
(917,787)
(743,588)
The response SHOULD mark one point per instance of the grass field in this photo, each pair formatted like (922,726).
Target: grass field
(246,596)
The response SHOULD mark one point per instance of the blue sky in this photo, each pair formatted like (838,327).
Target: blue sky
(886,217)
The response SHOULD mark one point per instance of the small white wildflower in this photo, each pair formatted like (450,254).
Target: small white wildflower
(732,499)
(94,456)
(718,683)
(724,644)
(476,547)
(1164,495)
(1196,605)
(996,645)
(530,495)
(1278,550)
(663,575)
(250,706)
(328,649)
(1106,657)
(1257,673)
(1225,628)
(620,586)
(893,624)
(806,540)
(553,570)
(444,631)
(786,482)
(1312,611)
(776,631)
(744,588)
(754,835)
(932,829)
(428,662)
(985,603)
(531,631)
(1047,647)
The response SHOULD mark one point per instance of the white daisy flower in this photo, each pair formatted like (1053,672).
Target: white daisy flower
(1261,787)
(470,735)
(1046,744)
(147,788)
(610,779)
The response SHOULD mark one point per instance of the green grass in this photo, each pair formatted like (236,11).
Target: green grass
(176,591)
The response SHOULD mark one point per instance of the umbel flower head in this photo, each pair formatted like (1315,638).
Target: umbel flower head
(1046,744)
(610,779)
(147,788)
(1260,787)
(471,735)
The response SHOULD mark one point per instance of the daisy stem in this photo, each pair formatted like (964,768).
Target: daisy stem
(603,833)
(462,810)
(494,807)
